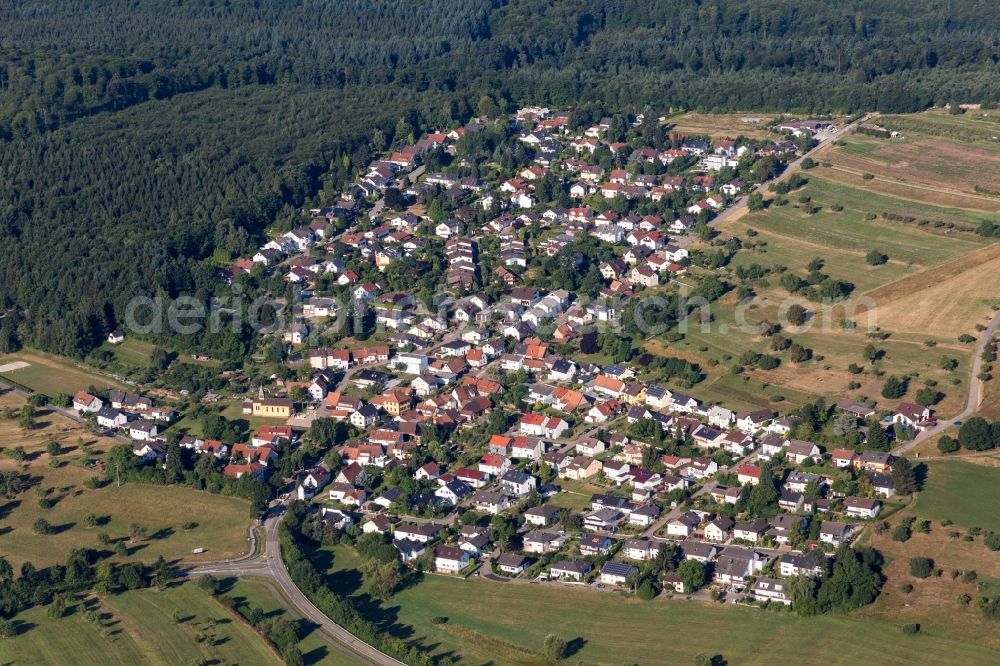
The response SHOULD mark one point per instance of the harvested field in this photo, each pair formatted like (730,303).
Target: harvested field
(946,300)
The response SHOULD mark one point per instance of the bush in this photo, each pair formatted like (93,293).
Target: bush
(646,591)
(876,258)
(902,532)
(910,629)
(41,526)
(964,599)
(894,387)
(992,541)
(555,647)
(439,619)
(921,567)
(906,588)
(947,444)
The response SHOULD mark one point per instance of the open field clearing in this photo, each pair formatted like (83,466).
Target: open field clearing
(722,126)
(940,160)
(163,510)
(933,603)
(936,164)
(980,128)
(51,374)
(132,352)
(507,624)
(964,492)
(848,230)
(717,348)
(138,628)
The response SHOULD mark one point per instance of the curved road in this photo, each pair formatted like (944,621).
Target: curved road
(975,392)
(270,565)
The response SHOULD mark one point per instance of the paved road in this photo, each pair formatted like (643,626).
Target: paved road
(975,393)
(270,565)
(739,206)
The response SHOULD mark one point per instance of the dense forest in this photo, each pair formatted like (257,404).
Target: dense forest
(139,140)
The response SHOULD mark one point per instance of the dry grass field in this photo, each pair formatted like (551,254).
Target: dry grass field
(727,125)
(990,406)
(928,164)
(497,623)
(221,522)
(946,300)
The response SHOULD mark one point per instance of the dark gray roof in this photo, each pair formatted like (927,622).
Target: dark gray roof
(618,569)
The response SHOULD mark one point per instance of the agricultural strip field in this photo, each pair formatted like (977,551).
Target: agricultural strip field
(507,624)
(216,523)
(939,160)
(937,284)
(138,627)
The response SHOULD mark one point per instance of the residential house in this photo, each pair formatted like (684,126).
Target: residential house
(512,563)
(798,452)
(575,570)
(684,525)
(595,544)
(518,484)
(449,559)
(835,533)
(862,507)
(797,563)
(541,516)
(87,403)
(616,573)
(579,468)
(770,590)
(719,528)
(541,542)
